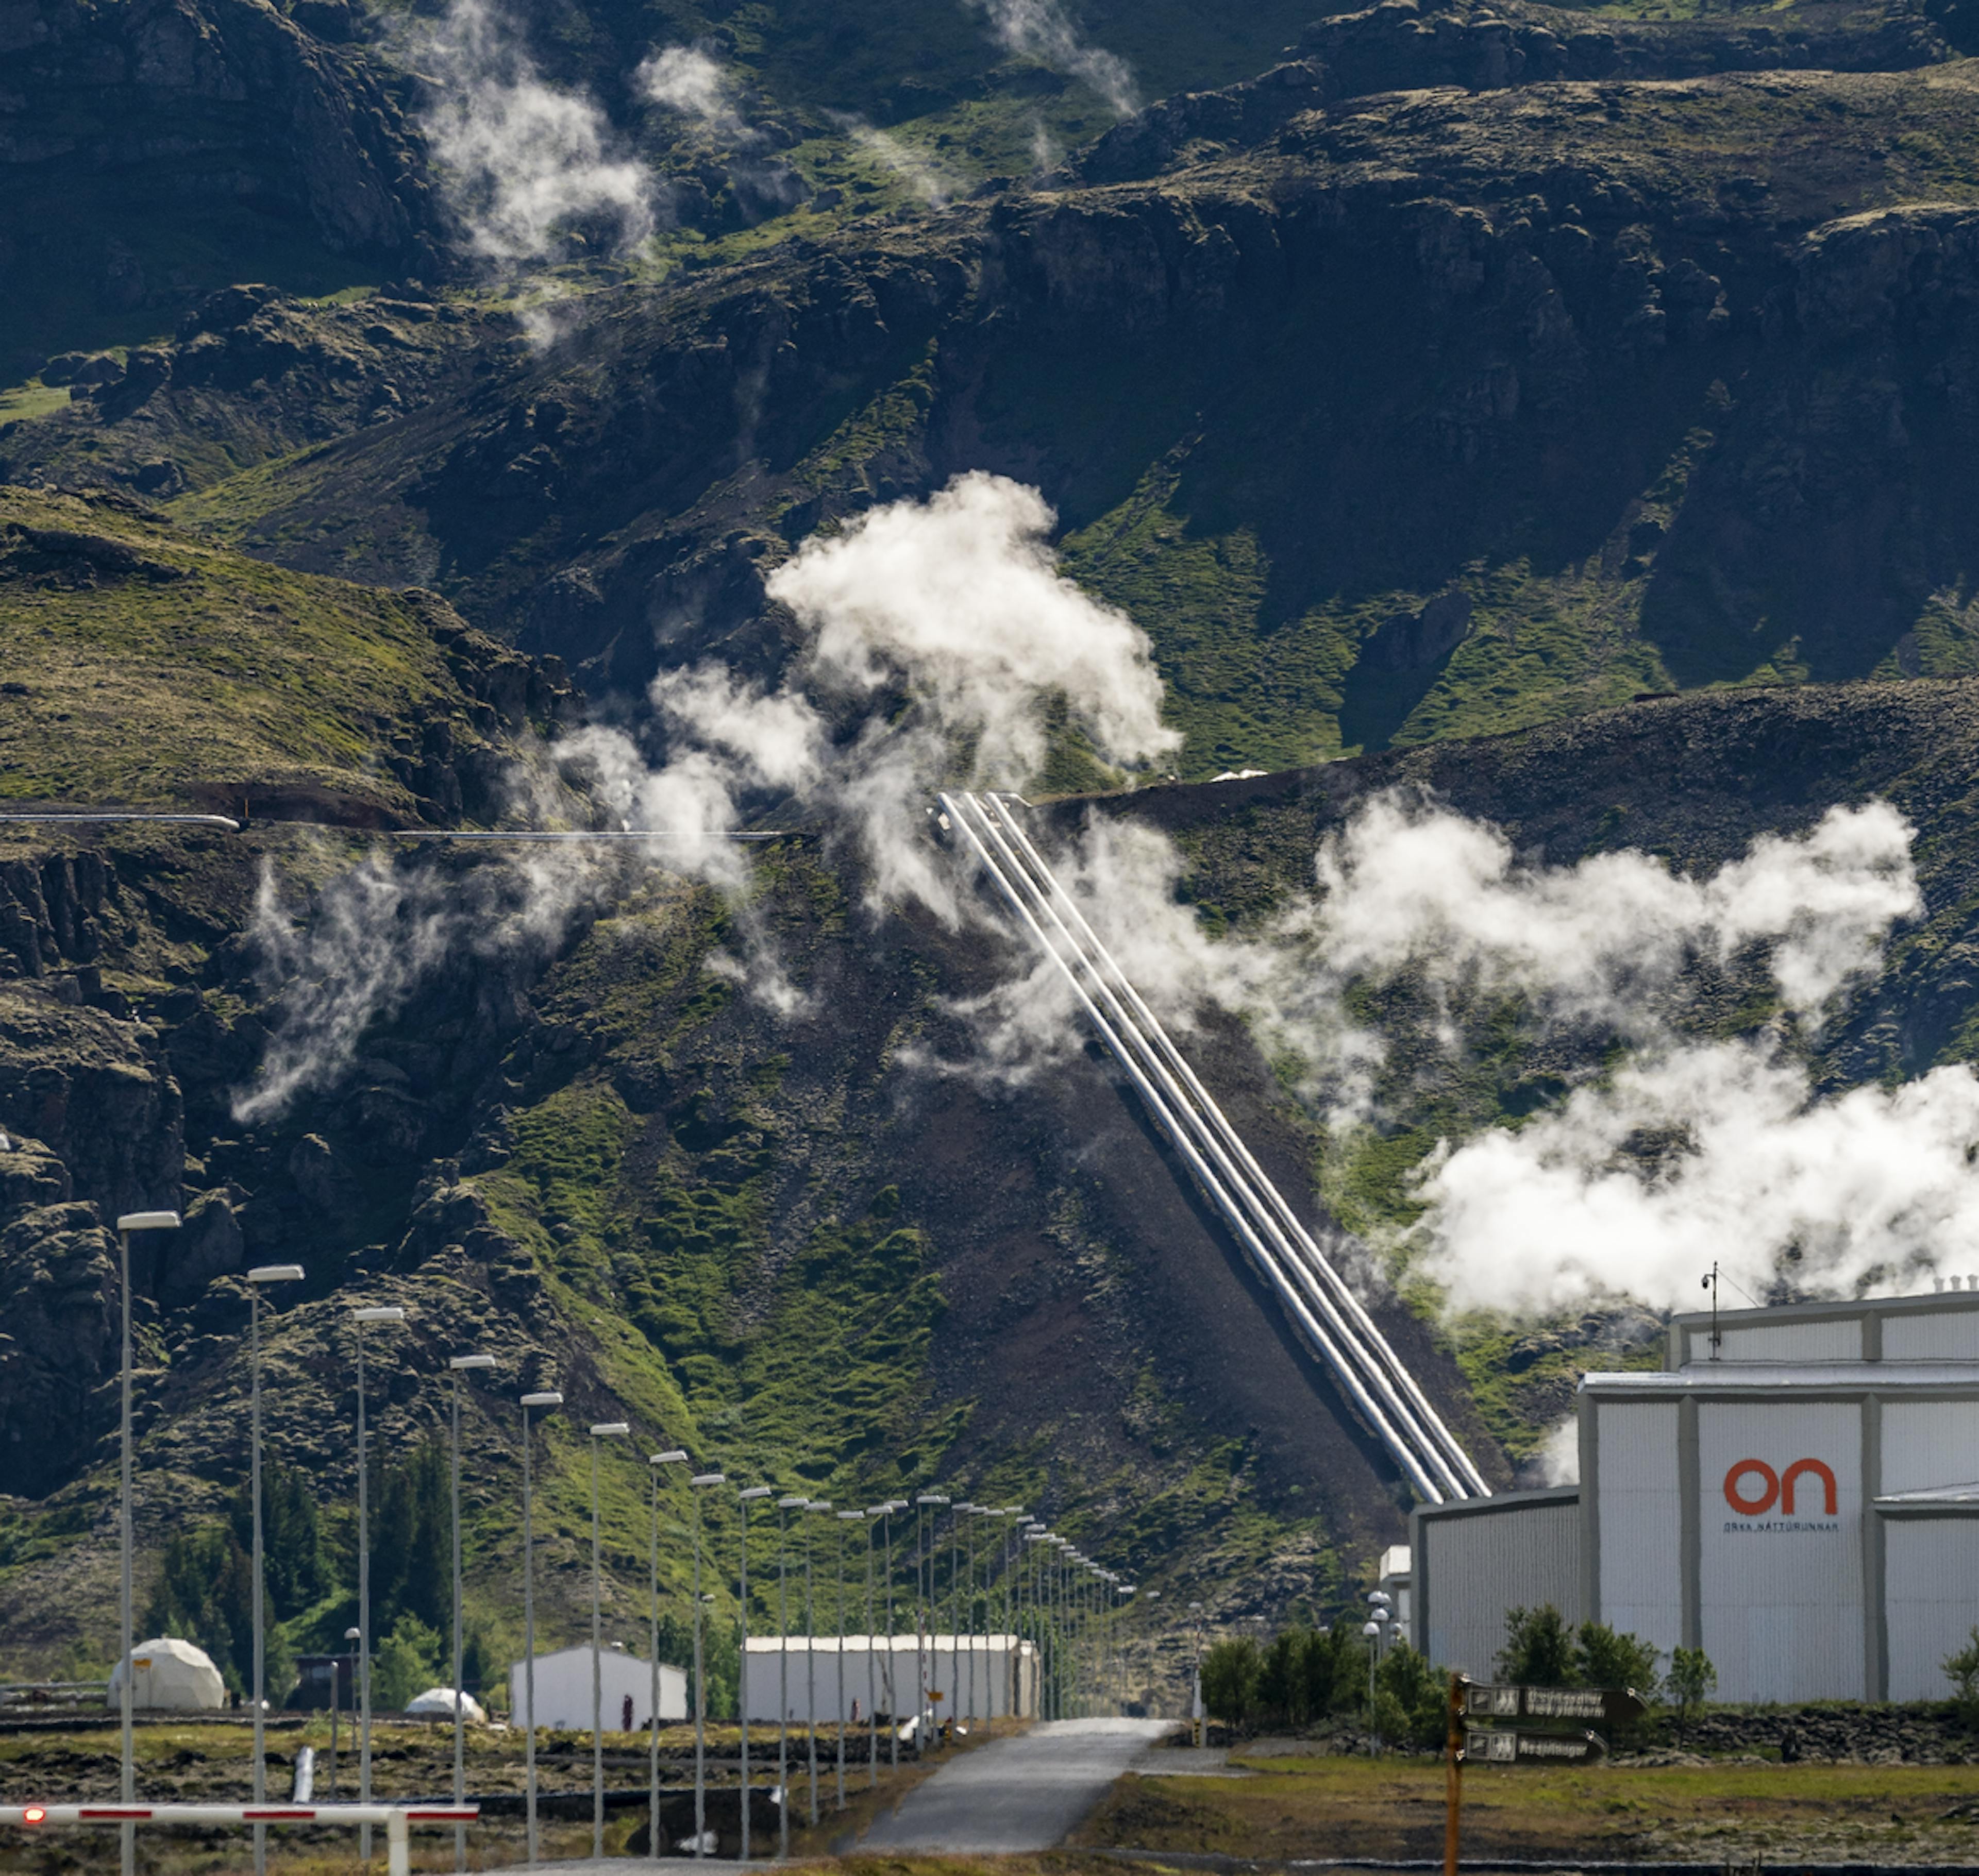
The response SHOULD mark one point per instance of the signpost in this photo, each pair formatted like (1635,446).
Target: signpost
(1529,1730)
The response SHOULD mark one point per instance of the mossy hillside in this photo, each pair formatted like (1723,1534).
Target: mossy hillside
(146,666)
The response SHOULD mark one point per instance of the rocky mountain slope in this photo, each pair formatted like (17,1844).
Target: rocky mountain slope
(1437,392)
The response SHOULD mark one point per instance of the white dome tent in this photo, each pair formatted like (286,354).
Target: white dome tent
(170,1676)
(437,1703)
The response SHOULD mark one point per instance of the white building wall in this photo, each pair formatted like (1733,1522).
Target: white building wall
(1952,1337)
(978,1676)
(1474,1566)
(1781,1595)
(1837,1339)
(563,1690)
(1639,1519)
(1929,1443)
(1930,1577)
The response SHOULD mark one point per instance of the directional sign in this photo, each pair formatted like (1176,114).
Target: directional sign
(1601,1705)
(1531,1748)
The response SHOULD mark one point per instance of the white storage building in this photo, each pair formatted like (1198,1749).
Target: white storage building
(563,1690)
(977,1676)
(1796,1493)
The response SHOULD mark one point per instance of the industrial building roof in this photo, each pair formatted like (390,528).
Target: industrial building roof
(1758,1377)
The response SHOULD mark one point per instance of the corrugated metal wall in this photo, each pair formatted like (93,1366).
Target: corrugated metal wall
(1481,1564)
(1640,1520)
(1947,1338)
(1931,1576)
(1781,1593)
(1837,1340)
(1927,1443)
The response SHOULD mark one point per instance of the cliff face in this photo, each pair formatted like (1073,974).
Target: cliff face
(1645,384)
(152,150)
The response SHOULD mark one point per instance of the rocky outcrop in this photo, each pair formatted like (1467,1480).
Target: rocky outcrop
(121,118)
(1411,45)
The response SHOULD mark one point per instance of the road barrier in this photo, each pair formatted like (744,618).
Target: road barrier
(397,1819)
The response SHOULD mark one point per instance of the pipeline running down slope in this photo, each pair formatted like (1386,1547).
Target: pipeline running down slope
(1326,1314)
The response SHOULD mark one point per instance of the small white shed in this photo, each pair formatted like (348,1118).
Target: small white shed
(563,1691)
(171,1676)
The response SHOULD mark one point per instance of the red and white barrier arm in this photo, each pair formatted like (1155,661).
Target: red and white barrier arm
(397,1819)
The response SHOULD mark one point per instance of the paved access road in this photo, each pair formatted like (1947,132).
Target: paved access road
(1027,1793)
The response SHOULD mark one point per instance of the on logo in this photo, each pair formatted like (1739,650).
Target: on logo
(1776,1488)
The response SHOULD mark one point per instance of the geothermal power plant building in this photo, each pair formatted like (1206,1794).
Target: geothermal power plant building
(975,1676)
(1796,1493)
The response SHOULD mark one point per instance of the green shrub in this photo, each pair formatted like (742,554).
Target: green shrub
(1606,1657)
(1691,1681)
(1962,1670)
(1539,1649)
(1231,1672)
(408,1663)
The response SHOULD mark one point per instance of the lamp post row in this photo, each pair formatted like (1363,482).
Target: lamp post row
(1053,1594)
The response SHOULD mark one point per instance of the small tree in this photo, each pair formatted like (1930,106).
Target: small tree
(1692,1679)
(1281,1682)
(1232,1670)
(1411,1699)
(1539,1649)
(205,1592)
(408,1664)
(1606,1657)
(1962,1670)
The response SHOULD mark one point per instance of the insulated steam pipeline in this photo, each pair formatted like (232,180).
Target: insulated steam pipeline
(1324,1311)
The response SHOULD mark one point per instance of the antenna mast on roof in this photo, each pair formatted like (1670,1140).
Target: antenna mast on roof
(1711,1284)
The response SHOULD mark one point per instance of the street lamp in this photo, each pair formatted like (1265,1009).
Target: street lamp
(892,1692)
(129,1222)
(257,1278)
(544,1401)
(700,1479)
(743,1500)
(874,1512)
(336,1701)
(676,1457)
(810,1659)
(796,1501)
(844,1518)
(603,1430)
(383,1312)
(1148,1601)
(459,1364)
(924,1586)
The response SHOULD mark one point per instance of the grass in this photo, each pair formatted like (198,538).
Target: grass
(1321,1807)
(32,399)
(243,676)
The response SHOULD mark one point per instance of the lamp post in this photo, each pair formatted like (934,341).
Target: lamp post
(844,1518)
(700,1479)
(458,1365)
(1147,1602)
(544,1401)
(1377,1602)
(924,1501)
(129,1222)
(873,1512)
(810,1659)
(892,1694)
(796,1501)
(603,1430)
(349,1635)
(743,1500)
(383,1312)
(654,1465)
(257,1279)
(1195,1696)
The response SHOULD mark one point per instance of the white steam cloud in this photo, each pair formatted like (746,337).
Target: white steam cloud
(1041,30)
(937,186)
(1870,1187)
(685,79)
(522,159)
(951,611)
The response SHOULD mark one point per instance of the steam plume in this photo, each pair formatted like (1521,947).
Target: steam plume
(1040,30)
(522,159)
